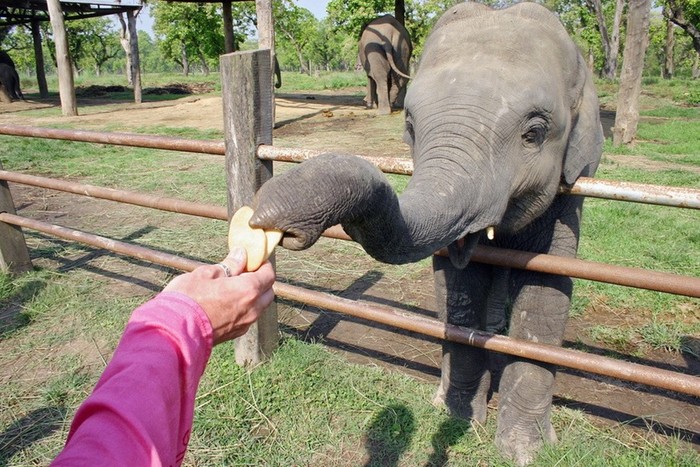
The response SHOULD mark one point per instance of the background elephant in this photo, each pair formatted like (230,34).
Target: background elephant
(385,51)
(501,111)
(5,58)
(10,80)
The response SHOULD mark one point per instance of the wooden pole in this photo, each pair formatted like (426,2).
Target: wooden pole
(247,100)
(14,255)
(134,52)
(66,85)
(266,38)
(39,59)
(229,40)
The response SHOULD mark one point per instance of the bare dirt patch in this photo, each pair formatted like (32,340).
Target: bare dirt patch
(338,121)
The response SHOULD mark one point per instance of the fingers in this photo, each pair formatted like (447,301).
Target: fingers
(236,261)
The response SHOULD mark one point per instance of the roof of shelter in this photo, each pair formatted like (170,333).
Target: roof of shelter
(14,12)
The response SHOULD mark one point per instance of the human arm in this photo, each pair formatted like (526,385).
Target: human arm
(140,412)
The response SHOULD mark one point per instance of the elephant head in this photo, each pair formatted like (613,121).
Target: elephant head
(501,110)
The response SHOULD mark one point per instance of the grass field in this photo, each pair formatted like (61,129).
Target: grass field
(309,406)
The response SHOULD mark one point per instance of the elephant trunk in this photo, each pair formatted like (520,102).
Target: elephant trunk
(334,189)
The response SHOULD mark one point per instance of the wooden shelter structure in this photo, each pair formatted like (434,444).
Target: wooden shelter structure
(33,12)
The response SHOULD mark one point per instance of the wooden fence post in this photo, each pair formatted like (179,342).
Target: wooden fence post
(14,255)
(247,99)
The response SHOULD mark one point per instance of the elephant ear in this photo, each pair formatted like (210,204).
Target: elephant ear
(585,144)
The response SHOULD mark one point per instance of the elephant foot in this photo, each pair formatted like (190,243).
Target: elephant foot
(468,403)
(521,443)
(522,432)
(384,111)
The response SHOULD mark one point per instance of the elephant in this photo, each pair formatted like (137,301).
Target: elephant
(385,51)
(5,58)
(10,80)
(501,111)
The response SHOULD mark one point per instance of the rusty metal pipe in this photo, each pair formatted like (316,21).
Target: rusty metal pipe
(607,189)
(119,139)
(626,371)
(128,249)
(573,267)
(397,318)
(601,272)
(139,199)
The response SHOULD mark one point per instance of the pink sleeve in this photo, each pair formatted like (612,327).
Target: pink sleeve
(140,412)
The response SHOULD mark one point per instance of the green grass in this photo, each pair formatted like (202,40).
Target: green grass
(309,406)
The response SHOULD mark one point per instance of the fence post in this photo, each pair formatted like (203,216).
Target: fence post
(14,255)
(247,99)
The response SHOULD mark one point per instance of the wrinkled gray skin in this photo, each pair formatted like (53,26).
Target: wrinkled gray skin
(10,80)
(385,52)
(501,110)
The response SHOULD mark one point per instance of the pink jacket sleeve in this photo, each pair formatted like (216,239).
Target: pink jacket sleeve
(140,413)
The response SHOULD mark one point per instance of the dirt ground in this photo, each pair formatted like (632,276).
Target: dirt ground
(338,121)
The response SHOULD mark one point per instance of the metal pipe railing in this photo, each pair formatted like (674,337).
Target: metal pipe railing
(119,139)
(607,189)
(129,197)
(580,269)
(678,382)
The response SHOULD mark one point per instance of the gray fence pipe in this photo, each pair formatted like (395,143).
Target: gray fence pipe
(397,318)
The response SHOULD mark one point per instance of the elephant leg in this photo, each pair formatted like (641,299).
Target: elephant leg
(371,98)
(465,380)
(539,313)
(383,102)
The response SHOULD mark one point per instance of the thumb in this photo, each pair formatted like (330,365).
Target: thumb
(236,260)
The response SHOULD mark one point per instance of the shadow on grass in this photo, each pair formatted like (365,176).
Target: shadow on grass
(389,435)
(29,429)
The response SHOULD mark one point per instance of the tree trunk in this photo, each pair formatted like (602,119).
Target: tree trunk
(66,86)
(400,11)
(611,43)
(675,13)
(135,68)
(185,61)
(124,41)
(627,115)
(39,59)
(696,67)
(667,71)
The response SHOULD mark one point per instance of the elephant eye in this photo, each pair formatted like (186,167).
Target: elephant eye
(536,132)
(408,134)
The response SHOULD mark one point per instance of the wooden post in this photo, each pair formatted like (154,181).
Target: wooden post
(266,38)
(14,255)
(39,59)
(247,100)
(66,85)
(229,40)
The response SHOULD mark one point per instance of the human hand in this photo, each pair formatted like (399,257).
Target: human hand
(232,302)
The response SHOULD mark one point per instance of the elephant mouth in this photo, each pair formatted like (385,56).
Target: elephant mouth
(460,251)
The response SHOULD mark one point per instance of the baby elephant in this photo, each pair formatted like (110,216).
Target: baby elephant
(385,51)
(501,111)
(10,80)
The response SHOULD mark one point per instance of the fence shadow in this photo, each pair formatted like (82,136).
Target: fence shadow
(29,429)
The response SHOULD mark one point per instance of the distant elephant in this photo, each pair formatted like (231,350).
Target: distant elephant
(10,80)
(5,58)
(501,111)
(385,51)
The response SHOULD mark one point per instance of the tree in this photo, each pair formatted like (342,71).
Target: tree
(627,115)
(610,42)
(686,15)
(187,31)
(350,16)
(297,26)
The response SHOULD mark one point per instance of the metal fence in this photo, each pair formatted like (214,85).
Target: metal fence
(249,155)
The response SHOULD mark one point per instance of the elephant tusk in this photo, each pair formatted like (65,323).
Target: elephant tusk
(490,232)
